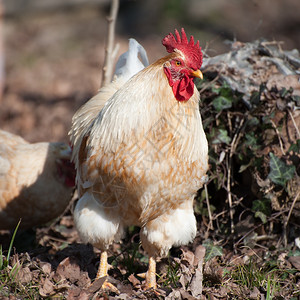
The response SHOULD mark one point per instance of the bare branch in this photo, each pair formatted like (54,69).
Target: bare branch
(285,224)
(210,225)
(294,123)
(110,52)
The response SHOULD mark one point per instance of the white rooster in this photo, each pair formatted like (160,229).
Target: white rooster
(142,156)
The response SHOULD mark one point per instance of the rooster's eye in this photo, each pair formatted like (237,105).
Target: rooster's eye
(177,63)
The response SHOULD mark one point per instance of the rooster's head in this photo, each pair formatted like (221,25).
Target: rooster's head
(184,65)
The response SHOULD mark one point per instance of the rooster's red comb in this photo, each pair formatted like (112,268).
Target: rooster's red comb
(191,51)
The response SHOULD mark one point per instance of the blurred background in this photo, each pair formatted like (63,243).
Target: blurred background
(54,50)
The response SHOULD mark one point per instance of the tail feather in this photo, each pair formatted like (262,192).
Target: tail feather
(129,62)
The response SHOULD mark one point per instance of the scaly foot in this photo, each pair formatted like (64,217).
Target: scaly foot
(150,275)
(102,272)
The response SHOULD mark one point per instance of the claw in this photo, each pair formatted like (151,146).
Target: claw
(107,286)
(142,275)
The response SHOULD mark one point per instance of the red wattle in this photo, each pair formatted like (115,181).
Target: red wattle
(183,88)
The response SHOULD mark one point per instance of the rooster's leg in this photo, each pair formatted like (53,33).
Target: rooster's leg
(102,271)
(151,274)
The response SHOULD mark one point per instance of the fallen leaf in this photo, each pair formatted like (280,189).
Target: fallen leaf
(96,285)
(199,254)
(123,296)
(78,293)
(24,275)
(295,261)
(188,256)
(196,284)
(174,295)
(186,295)
(46,267)
(47,288)
(135,282)
(186,274)
(284,81)
(255,294)
(69,269)
(184,280)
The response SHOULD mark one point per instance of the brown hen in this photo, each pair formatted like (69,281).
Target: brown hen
(36,181)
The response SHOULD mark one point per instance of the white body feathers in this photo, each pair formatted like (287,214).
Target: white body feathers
(140,160)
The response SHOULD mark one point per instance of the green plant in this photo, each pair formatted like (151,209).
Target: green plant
(211,250)
(4,261)
(264,276)
(171,277)
(8,273)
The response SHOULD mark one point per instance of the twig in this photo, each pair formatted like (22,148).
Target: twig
(232,150)
(279,138)
(294,123)
(230,197)
(288,218)
(273,217)
(110,52)
(209,84)
(210,225)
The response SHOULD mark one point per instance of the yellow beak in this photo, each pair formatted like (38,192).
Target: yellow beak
(197,73)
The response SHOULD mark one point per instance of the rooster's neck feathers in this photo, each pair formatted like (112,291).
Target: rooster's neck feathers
(139,106)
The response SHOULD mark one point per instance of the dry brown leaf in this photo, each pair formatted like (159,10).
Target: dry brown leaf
(135,282)
(255,294)
(186,295)
(46,267)
(284,81)
(186,274)
(174,295)
(188,256)
(69,269)
(46,288)
(295,261)
(84,280)
(199,255)
(196,284)
(24,275)
(78,294)
(184,280)
(96,285)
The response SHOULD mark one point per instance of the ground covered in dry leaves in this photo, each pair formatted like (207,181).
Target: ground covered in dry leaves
(248,241)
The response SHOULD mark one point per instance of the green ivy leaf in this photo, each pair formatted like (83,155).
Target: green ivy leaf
(251,141)
(221,103)
(263,205)
(211,250)
(295,147)
(253,121)
(280,172)
(222,137)
(262,216)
